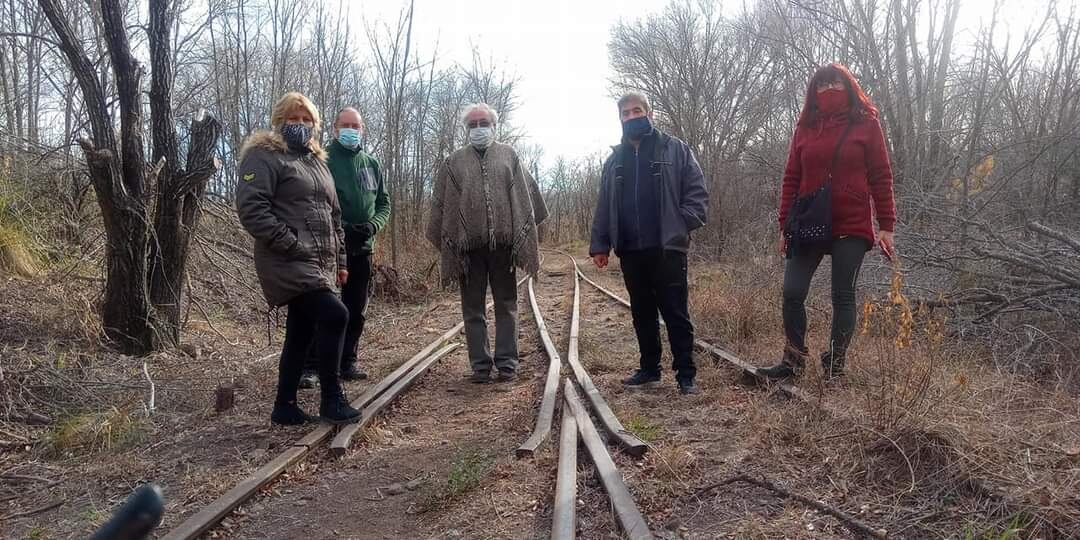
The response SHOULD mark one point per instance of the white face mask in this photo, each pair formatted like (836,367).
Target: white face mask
(481,137)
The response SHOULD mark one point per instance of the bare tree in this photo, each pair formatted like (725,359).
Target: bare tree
(122,181)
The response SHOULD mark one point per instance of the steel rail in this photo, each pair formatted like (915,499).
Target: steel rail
(564,514)
(341,442)
(718,353)
(210,515)
(626,510)
(629,442)
(551,387)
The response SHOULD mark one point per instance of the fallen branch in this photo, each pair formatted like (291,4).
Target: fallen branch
(26,479)
(1055,234)
(32,512)
(31,419)
(855,525)
(150,406)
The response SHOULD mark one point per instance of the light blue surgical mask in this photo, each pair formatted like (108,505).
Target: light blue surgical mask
(481,137)
(349,138)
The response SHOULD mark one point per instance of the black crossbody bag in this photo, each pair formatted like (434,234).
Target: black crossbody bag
(808,226)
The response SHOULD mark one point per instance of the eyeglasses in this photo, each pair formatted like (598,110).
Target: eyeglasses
(478,123)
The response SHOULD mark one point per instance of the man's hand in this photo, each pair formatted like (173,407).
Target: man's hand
(363,230)
(885,240)
(342,277)
(600,260)
(783,243)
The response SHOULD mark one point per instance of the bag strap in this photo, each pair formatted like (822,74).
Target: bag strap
(836,152)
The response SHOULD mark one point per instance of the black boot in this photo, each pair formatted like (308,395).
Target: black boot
(351,372)
(290,414)
(642,379)
(334,406)
(832,365)
(308,380)
(790,366)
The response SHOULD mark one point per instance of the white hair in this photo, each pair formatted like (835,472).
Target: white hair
(470,108)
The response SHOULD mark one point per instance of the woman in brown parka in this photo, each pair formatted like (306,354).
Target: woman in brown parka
(287,201)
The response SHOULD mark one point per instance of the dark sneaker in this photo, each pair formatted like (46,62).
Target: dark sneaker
(506,376)
(832,366)
(689,387)
(790,366)
(336,410)
(642,379)
(350,372)
(480,377)
(290,414)
(309,380)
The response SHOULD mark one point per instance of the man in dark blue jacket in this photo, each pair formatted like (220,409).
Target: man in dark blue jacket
(652,194)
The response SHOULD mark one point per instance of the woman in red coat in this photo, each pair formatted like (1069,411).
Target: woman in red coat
(837,132)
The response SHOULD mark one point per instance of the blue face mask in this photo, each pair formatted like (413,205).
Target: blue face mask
(349,138)
(296,135)
(636,128)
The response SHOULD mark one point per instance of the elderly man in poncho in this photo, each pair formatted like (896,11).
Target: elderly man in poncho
(485,209)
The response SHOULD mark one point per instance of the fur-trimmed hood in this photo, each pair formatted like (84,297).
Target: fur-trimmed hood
(272,141)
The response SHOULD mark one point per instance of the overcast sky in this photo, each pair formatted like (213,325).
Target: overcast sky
(558,50)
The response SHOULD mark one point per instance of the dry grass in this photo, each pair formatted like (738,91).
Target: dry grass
(110,430)
(732,302)
(933,440)
(15,257)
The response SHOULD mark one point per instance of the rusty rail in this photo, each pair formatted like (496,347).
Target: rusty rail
(341,442)
(629,442)
(210,515)
(720,353)
(564,514)
(626,510)
(551,387)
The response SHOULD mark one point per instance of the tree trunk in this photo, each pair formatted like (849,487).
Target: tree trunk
(178,191)
(119,174)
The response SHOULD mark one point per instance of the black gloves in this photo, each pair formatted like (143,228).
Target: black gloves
(363,230)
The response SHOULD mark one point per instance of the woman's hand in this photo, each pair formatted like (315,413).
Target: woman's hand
(783,243)
(885,240)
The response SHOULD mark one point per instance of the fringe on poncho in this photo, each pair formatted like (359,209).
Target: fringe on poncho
(484,201)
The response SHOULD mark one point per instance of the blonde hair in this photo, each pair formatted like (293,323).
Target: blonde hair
(296,100)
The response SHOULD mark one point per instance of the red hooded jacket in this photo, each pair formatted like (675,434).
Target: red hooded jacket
(862,173)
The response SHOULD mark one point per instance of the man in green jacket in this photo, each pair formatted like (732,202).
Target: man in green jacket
(365,209)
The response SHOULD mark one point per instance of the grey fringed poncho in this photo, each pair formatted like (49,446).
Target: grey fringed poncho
(484,201)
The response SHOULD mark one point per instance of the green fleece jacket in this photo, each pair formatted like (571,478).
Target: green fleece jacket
(360,189)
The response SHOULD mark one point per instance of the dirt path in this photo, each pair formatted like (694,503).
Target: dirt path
(695,440)
(439,464)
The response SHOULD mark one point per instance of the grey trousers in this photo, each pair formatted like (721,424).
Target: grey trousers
(497,268)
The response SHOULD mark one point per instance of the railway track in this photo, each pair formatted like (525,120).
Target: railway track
(370,403)
(581,401)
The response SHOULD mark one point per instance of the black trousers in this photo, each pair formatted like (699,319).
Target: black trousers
(847,257)
(656,281)
(354,295)
(316,319)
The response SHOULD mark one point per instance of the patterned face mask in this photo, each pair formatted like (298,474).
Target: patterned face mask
(296,135)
